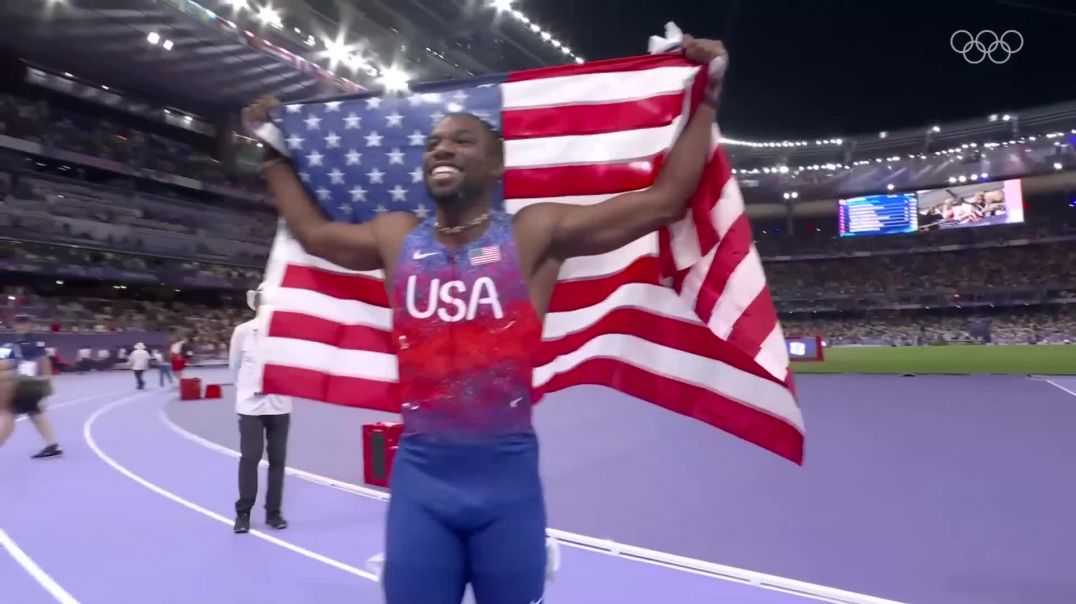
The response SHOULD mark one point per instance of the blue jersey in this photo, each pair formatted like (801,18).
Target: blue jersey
(465,332)
(25,356)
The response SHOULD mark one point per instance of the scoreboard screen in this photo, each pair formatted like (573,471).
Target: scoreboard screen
(878,215)
(804,348)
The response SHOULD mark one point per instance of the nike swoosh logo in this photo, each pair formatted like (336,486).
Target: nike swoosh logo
(421,255)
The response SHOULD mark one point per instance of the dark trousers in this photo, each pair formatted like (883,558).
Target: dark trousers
(138,378)
(254,431)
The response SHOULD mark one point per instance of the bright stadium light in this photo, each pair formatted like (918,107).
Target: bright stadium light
(153,37)
(889,187)
(503,5)
(1057,166)
(579,60)
(267,14)
(395,79)
(935,129)
(1006,117)
(237,4)
(168,45)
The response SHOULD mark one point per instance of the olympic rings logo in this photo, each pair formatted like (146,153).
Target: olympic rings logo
(986,45)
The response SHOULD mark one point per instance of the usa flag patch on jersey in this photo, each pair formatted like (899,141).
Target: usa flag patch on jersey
(485,255)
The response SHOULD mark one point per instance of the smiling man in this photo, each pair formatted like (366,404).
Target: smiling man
(469,291)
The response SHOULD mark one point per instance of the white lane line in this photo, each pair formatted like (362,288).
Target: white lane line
(593,544)
(87,433)
(1055,384)
(76,401)
(35,571)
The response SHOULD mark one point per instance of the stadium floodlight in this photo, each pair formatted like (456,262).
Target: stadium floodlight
(952,179)
(547,36)
(1057,166)
(935,129)
(1006,117)
(267,14)
(883,134)
(502,4)
(168,45)
(238,4)
(993,117)
(395,79)
(336,51)
(579,60)
(963,179)
(889,187)
(153,37)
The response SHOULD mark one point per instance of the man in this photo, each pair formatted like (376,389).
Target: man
(262,418)
(139,361)
(28,377)
(469,292)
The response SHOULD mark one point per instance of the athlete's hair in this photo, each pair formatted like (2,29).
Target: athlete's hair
(496,138)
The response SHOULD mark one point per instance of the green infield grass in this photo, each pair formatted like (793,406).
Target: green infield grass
(959,358)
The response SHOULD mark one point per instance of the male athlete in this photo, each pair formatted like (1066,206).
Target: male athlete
(27,382)
(469,292)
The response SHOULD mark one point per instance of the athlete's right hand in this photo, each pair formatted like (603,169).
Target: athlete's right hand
(257,114)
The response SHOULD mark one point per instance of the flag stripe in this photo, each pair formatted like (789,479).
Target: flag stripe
(591,179)
(540,122)
(302,326)
(769,431)
(337,285)
(596,89)
(589,149)
(340,390)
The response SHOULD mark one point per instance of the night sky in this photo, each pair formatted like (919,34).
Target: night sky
(821,68)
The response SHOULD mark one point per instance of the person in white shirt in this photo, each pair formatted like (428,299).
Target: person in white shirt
(262,418)
(139,361)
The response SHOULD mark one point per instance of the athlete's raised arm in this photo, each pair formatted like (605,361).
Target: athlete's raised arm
(345,244)
(606,226)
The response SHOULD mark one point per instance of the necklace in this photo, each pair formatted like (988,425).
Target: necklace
(452,230)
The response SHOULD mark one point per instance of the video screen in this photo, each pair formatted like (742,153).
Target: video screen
(804,348)
(972,205)
(888,214)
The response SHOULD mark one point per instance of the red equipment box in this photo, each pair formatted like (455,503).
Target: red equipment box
(190,389)
(213,391)
(379,445)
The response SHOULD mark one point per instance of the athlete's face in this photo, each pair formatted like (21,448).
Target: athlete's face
(462,159)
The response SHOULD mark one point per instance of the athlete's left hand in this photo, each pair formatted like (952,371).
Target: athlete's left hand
(713,54)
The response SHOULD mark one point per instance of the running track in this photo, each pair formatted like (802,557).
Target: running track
(134,512)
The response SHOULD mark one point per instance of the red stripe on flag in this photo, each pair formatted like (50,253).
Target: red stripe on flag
(730,252)
(646,325)
(583,293)
(578,120)
(591,179)
(738,418)
(303,326)
(336,285)
(639,63)
(754,325)
(338,390)
(706,196)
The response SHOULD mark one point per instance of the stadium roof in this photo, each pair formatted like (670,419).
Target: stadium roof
(212,55)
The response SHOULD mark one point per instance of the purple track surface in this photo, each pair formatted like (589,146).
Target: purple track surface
(941,489)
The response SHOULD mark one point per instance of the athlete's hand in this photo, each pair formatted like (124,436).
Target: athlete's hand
(258,113)
(713,54)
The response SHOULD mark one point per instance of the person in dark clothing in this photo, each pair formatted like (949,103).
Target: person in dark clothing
(264,420)
(27,382)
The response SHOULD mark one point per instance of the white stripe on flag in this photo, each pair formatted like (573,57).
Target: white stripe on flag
(609,147)
(681,366)
(744,285)
(596,88)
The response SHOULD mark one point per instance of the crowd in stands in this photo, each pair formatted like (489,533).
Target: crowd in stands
(209,326)
(57,209)
(1055,326)
(40,121)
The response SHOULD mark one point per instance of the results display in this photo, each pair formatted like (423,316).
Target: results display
(805,349)
(878,215)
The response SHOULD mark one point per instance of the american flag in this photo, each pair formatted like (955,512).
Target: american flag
(681,318)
